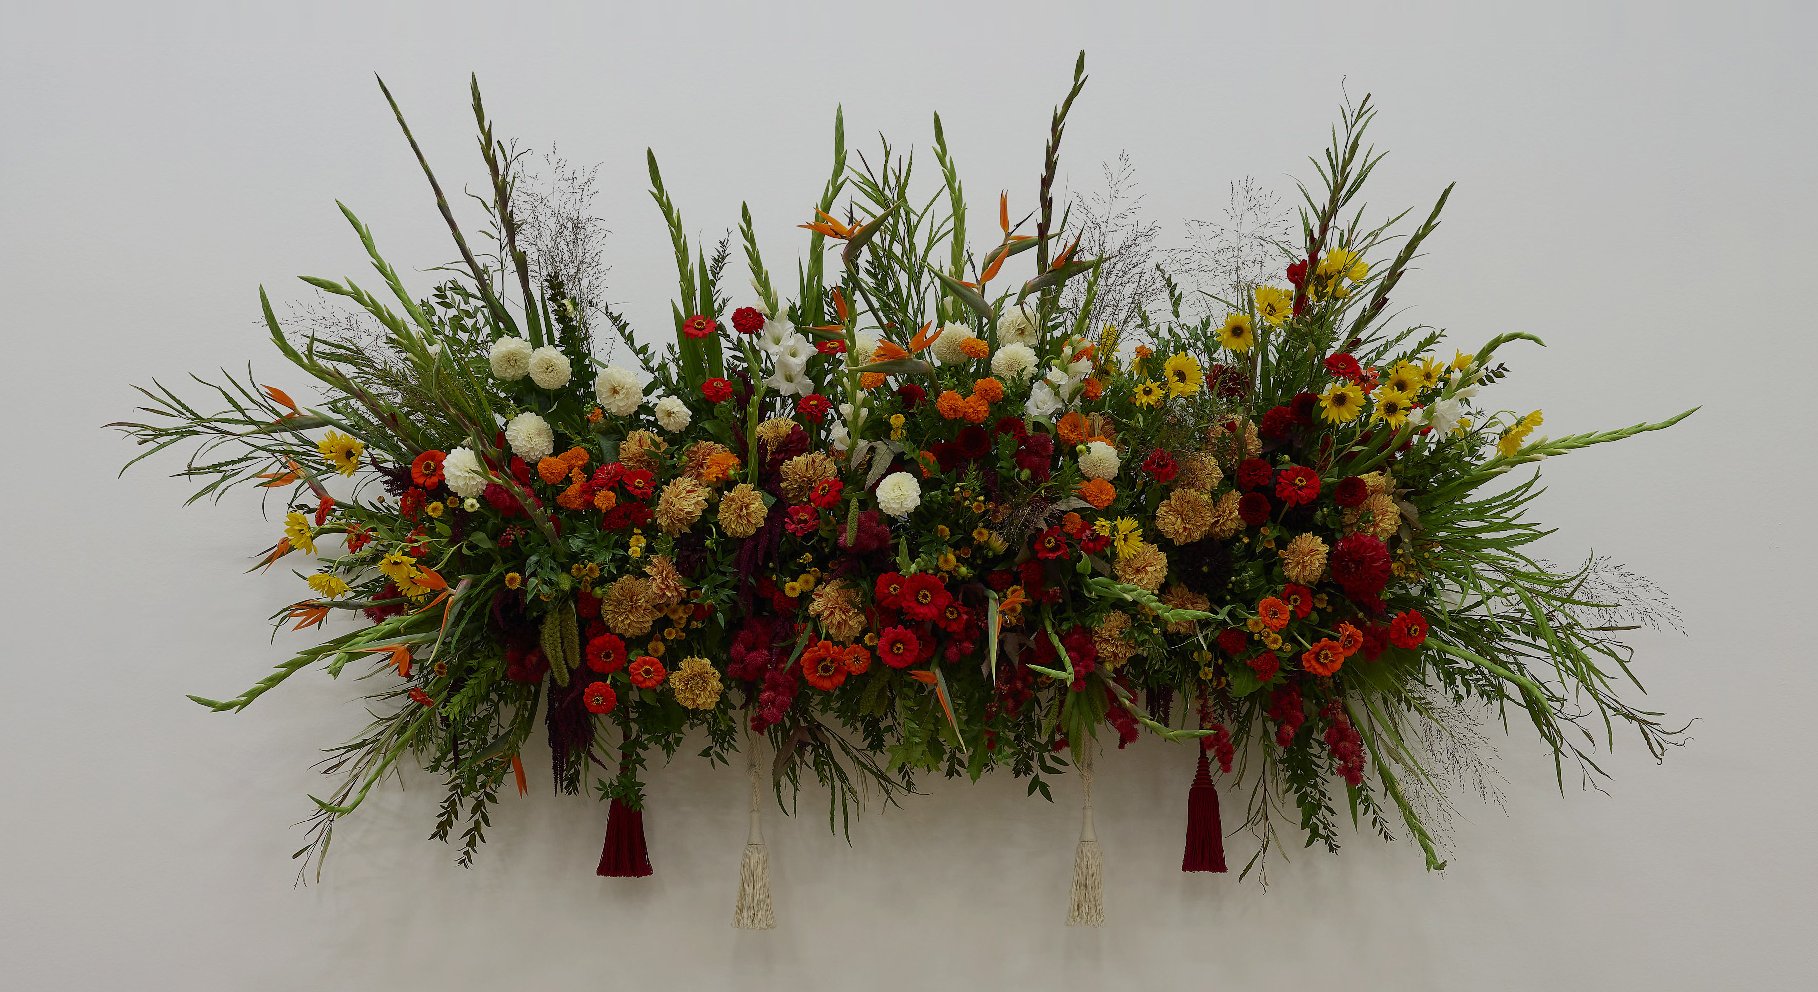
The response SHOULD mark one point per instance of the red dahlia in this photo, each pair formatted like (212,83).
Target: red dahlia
(746,320)
(1232,641)
(599,698)
(1161,466)
(1351,492)
(1278,423)
(1253,509)
(1297,485)
(1360,563)
(697,326)
(899,647)
(1254,473)
(717,390)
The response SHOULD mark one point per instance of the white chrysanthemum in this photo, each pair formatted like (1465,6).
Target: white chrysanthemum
(672,414)
(789,381)
(510,358)
(1099,461)
(1013,361)
(1018,326)
(529,436)
(1043,402)
(618,391)
(549,368)
(464,474)
(899,494)
(775,331)
(949,347)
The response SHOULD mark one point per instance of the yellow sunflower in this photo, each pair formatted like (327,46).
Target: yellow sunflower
(1403,378)
(1238,334)
(1392,407)
(1149,392)
(1183,374)
(1342,403)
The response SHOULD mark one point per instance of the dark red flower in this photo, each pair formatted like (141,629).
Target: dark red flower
(1408,629)
(599,698)
(813,407)
(1232,641)
(1375,639)
(1035,454)
(697,326)
(1303,406)
(426,469)
(1297,271)
(911,395)
(1351,492)
(717,390)
(924,596)
(525,664)
(898,647)
(639,482)
(1360,563)
(973,443)
(1344,366)
(1299,597)
(606,653)
(411,503)
(826,493)
(1011,425)
(1265,665)
(1093,542)
(1161,466)
(1277,423)
(1050,544)
(1297,485)
(1253,509)
(1254,473)
(746,320)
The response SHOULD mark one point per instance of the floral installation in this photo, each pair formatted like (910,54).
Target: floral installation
(921,515)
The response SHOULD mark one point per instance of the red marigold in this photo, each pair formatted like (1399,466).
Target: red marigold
(1345,367)
(747,320)
(813,407)
(1253,509)
(606,653)
(1360,563)
(426,469)
(924,596)
(1322,657)
(1297,485)
(646,672)
(1274,613)
(826,493)
(899,647)
(1299,597)
(1161,466)
(599,698)
(697,326)
(889,590)
(1351,492)
(1408,629)
(717,390)
(1254,473)
(824,666)
(1051,543)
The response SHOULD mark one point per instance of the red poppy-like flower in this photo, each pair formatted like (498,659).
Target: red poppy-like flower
(1349,638)
(639,482)
(357,537)
(426,469)
(1094,542)
(1277,423)
(1051,543)
(802,520)
(599,698)
(1297,271)
(1265,665)
(826,493)
(1253,509)
(717,390)
(1360,563)
(824,666)
(1351,492)
(1322,657)
(1161,466)
(899,647)
(746,320)
(813,407)
(606,653)
(1233,641)
(1408,629)
(697,326)
(1274,613)
(1297,485)
(1344,366)
(924,596)
(911,394)
(646,672)
(1299,597)
(1254,473)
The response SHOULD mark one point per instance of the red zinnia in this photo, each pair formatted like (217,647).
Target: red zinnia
(1299,597)
(924,596)
(697,326)
(1161,466)
(426,469)
(856,659)
(599,698)
(813,407)
(746,320)
(1050,544)
(831,346)
(1360,564)
(717,390)
(889,590)
(826,493)
(647,672)
(606,653)
(1297,485)
(639,482)
(1254,473)
(899,647)
(1349,638)
(1274,613)
(1345,367)
(1408,629)
(824,666)
(803,520)
(953,618)
(1351,492)
(1253,509)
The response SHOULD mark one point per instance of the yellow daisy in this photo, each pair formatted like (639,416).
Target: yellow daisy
(1342,403)
(1183,375)
(1431,369)
(328,586)
(297,532)
(1274,304)
(1238,334)
(1403,378)
(342,452)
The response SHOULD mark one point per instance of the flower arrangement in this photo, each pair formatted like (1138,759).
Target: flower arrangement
(921,516)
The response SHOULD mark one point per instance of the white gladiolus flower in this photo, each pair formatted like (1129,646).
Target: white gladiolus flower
(1013,361)
(793,351)
(776,330)
(510,359)
(867,343)
(1099,461)
(672,414)
(1043,402)
(899,494)
(1056,377)
(529,436)
(618,391)
(1018,326)
(463,473)
(789,381)
(549,368)
(948,348)
(838,438)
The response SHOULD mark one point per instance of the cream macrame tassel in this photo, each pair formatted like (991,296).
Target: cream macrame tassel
(754,911)
(1088,908)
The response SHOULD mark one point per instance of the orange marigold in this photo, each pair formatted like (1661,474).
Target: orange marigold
(974,348)
(1072,429)
(572,498)
(552,469)
(1274,613)
(720,466)
(1098,492)
(951,405)
(976,409)
(870,380)
(1094,387)
(989,388)
(604,500)
(576,457)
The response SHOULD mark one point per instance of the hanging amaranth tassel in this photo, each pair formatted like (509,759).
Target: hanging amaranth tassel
(1205,834)
(624,855)
(754,911)
(1088,901)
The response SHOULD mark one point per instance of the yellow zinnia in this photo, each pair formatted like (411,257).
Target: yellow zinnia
(296,531)
(328,586)
(1341,403)
(1183,375)
(1274,304)
(342,452)
(1238,334)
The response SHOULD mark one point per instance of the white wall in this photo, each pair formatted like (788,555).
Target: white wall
(1636,184)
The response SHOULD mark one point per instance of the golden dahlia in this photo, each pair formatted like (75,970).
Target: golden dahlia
(1225,519)
(696,684)
(1198,470)
(626,607)
(803,471)
(681,504)
(1304,559)
(1234,440)
(696,456)
(1143,565)
(775,431)
(667,587)
(1112,639)
(1179,597)
(836,605)
(742,510)
(640,450)
(1185,516)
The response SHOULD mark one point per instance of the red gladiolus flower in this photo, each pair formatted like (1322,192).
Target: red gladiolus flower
(1161,466)
(606,653)
(1360,564)
(324,507)
(599,698)
(1345,367)
(826,493)
(899,647)
(1253,509)
(1297,271)
(1050,544)
(1254,473)
(746,320)
(924,596)
(1351,492)
(640,482)
(426,469)
(717,390)
(1299,597)
(824,666)
(1297,485)
(813,407)
(1408,629)
(646,672)
(697,326)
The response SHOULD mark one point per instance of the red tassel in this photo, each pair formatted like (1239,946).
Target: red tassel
(624,855)
(1205,835)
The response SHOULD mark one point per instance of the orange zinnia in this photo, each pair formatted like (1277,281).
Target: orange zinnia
(1323,657)
(1274,613)
(1349,639)
(1098,492)
(1072,429)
